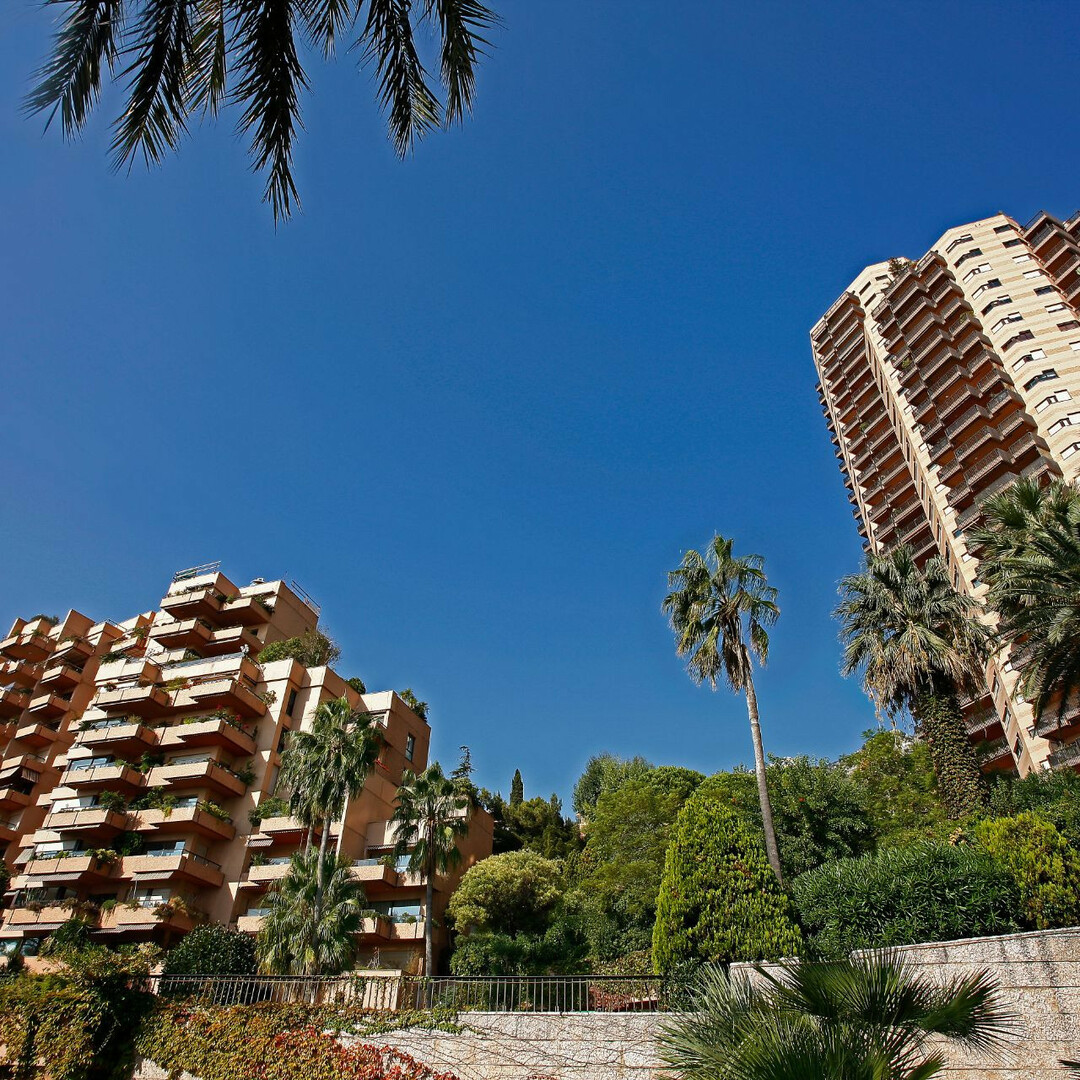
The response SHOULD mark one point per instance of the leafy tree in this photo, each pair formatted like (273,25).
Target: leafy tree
(538,824)
(604,772)
(1045,867)
(559,950)
(896,775)
(720,608)
(1030,557)
(462,775)
(865,1018)
(357,684)
(517,788)
(419,707)
(926,892)
(312,649)
(718,899)
(212,949)
(1054,796)
(69,936)
(918,645)
(182,59)
(328,764)
(315,913)
(675,780)
(430,818)
(514,893)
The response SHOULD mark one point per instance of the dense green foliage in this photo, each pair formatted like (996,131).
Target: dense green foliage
(513,893)
(603,773)
(861,1019)
(1044,866)
(312,649)
(1054,796)
(918,644)
(212,949)
(719,900)
(926,892)
(1030,552)
(419,707)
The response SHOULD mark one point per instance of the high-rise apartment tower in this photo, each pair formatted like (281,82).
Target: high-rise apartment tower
(943,381)
(139,763)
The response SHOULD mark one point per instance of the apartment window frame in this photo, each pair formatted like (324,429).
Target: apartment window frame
(1055,398)
(1046,375)
(1015,242)
(974,253)
(1071,449)
(410,747)
(1006,320)
(993,283)
(999,301)
(967,238)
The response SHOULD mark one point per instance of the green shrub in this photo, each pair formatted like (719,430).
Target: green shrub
(268,808)
(719,900)
(212,950)
(512,893)
(900,896)
(1054,796)
(1045,867)
(312,649)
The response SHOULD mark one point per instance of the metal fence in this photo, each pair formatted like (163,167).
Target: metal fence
(394,993)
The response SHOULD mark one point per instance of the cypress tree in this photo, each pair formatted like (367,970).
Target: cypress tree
(517,789)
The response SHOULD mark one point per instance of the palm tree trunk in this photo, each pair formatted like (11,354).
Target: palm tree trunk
(428,927)
(762,786)
(341,831)
(322,863)
(940,723)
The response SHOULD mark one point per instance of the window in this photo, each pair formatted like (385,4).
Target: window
(1013,316)
(1024,335)
(982,268)
(410,747)
(1033,273)
(999,302)
(1013,243)
(965,239)
(993,283)
(1072,324)
(1070,450)
(1035,354)
(1003,228)
(1064,422)
(996,687)
(973,253)
(1042,290)
(1043,376)
(1054,308)
(1022,258)
(292,703)
(1061,395)
(1075,346)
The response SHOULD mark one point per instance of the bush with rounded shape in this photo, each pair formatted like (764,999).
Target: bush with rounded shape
(510,893)
(902,896)
(212,950)
(1043,864)
(719,900)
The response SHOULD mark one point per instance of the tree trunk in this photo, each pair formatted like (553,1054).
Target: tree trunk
(429,898)
(763,788)
(322,863)
(341,831)
(940,723)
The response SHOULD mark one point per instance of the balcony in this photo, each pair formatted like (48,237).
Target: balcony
(58,677)
(12,704)
(209,731)
(92,820)
(383,928)
(14,795)
(182,633)
(234,694)
(257,877)
(159,867)
(49,706)
(247,611)
(74,650)
(114,775)
(376,872)
(20,672)
(231,639)
(197,603)
(123,737)
(994,754)
(144,918)
(198,774)
(1067,757)
(36,736)
(9,830)
(183,819)
(32,645)
(283,830)
(71,870)
(250,924)
(30,922)
(139,700)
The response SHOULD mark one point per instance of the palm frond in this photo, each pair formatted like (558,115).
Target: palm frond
(209,49)
(461,27)
(412,108)
(328,20)
(271,81)
(70,80)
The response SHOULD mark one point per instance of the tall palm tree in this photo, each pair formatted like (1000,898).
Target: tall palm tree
(183,58)
(430,817)
(918,644)
(867,1018)
(315,914)
(327,764)
(719,608)
(1029,543)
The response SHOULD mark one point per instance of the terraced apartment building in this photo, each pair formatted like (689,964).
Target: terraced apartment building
(140,762)
(944,380)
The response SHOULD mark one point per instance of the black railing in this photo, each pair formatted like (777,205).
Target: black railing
(393,993)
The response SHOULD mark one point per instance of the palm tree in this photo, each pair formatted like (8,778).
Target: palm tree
(328,764)
(183,58)
(1029,544)
(719,609)
(316,911)
(430,817)
(918,644)
(867,1018)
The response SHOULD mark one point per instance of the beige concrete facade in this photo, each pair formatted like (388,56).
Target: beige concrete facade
(943,384)
(165,728)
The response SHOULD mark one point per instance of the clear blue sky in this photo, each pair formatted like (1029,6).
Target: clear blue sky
(479,402)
